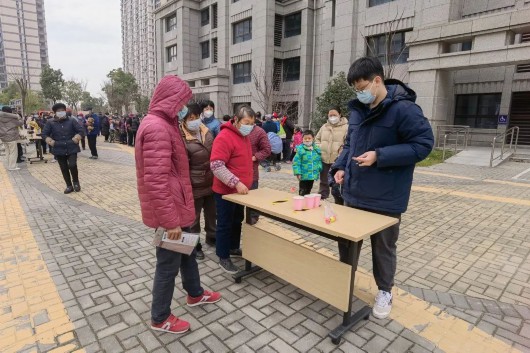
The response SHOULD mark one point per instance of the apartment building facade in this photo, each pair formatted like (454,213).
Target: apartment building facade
(138,42)
(468,60)
(23,41)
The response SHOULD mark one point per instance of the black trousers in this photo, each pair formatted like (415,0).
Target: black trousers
(68,166)
(83,142)
(206,203)
(20,151)
(384,253)
(130,138)
(92,145)
(305,187)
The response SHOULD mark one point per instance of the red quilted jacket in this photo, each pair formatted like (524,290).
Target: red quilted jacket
(162,168)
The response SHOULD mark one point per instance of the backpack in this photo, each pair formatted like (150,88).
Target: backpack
(276,143)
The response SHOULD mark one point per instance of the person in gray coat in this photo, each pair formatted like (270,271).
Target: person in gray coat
(9,134)
(63,133)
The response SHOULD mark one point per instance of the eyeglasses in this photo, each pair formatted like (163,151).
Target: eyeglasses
(357,91)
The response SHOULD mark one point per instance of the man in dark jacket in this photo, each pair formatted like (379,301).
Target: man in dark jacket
(93,131)
(135,124)
(288,127)
(105,126)
(269,125)
(63,133)
(387,135)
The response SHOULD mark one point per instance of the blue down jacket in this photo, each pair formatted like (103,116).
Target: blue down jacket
(62,132)
(401,136)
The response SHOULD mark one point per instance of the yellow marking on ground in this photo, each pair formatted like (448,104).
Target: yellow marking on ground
(443,175)
(511,183)
(447,332)
(31,294)
(469,195)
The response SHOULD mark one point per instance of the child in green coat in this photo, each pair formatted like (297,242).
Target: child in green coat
(307,163)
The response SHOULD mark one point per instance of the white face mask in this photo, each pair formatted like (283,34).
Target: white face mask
(193,125)
(61,115)
(308,143)
(208,114)
(333,119)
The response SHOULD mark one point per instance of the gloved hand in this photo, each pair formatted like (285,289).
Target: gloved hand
(50,141)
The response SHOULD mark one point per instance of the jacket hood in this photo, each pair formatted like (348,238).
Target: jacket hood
(171,94)
(397,91)
(232,128)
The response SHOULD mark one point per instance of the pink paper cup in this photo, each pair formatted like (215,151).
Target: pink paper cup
(318,197)
(309,201)
(298,203)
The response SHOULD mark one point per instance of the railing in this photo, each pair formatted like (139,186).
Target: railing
(448,131)
(513,133)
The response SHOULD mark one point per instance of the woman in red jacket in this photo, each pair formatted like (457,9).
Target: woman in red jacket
(231,163)
(166,199)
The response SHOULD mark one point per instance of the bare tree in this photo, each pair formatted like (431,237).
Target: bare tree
(269,91)
(22,83)
(391,55)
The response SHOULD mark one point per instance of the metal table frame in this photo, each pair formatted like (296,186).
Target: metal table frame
(354,252)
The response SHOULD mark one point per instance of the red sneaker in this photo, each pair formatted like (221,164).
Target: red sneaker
(206,298)
(172,325)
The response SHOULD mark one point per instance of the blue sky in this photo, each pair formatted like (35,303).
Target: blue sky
(84,39)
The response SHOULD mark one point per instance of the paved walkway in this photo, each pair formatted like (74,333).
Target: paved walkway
(76,271)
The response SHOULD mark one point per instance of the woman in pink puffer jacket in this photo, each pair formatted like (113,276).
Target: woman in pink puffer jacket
(166,199)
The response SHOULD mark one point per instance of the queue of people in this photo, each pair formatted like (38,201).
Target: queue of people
(185,166)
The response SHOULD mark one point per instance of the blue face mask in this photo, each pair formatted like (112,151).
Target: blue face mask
(246,129)
(366,96)
(194,125)
(183,112)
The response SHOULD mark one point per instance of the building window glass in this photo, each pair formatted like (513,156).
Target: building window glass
(171,53)
(378,2)
(205,50)
(293,25)
(205,16)
(171,23)
(333,11)
(331,59)
(478,110)
(291,69)
(397,50)
(214,15)
(242,72)
(156,3)
(278,30)
(214,45)
(242,31)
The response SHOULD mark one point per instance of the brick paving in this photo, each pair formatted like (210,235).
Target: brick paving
(465,256)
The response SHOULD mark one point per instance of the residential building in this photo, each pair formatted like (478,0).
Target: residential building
(138,42)
(468,60)
(23,41)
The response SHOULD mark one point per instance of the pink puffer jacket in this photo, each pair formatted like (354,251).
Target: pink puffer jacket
(162,167)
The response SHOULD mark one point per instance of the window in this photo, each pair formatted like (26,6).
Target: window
(171,23)
(331,59)
(242,71)
(293,25)
(242,31)
(333,11)
(523,68)
(465,45)
(478,110)
(399,52)
(205,16)
(205,82)
(171,53)
(214,15)
(278,30)
(205,50)
(291,69)
(277,74)
(191,83)
(214,45)
(378,2)
(156,3)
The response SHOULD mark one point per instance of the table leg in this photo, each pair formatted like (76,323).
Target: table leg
(249,270)
(349,320)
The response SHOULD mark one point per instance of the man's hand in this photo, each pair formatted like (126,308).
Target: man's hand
(241,188)
(254,158)
(339,177)
(299,177)
(174,234)
(366,159)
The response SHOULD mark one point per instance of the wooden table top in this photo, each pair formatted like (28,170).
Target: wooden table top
(351,224)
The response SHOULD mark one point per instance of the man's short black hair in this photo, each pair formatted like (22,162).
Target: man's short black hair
(308,133)
(58,106)
(7,109)
(206,104)
(366,68)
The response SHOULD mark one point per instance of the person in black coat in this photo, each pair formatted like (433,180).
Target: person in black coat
(63,133)
(105,127)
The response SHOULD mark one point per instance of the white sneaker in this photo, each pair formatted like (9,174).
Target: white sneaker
(17,168)
(382,305)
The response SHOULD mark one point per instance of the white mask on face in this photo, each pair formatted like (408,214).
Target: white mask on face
(208,114)
(333,119)
(61,115)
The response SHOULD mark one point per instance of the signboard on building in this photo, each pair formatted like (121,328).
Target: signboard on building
(502,120)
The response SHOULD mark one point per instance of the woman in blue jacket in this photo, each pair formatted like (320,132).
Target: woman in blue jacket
(63,134)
